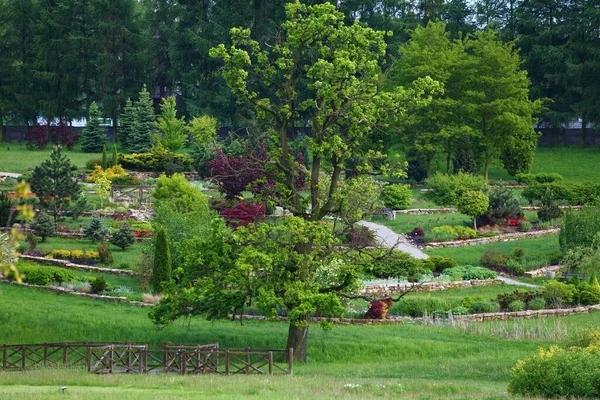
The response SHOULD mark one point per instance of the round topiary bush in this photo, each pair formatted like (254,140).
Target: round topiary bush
(396,197)
(516,305)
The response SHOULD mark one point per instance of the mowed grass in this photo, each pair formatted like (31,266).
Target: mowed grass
(407,361)
(15,157)
(535,249)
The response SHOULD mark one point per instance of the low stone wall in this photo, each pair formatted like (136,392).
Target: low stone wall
(70,265)
(427,211)
(543,271)
(387,290)
(62,290)
(509,237)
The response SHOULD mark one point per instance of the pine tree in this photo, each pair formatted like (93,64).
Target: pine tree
(42,225)
(161,270)
(92,137)
(95,231)
(128,122)
(115,156)
(145,126)
(123,237)
(54,184)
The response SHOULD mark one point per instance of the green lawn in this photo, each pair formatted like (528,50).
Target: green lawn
(396,361)
(127,259)
(15,157)
(537,251)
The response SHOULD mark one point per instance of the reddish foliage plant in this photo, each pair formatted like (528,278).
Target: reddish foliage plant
(37,136)
(378,309)
(63,134)
(243,214)
(234,174)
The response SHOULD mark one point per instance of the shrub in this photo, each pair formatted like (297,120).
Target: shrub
(579,228)
(438,236)
(123,237)
(396,197)
(468,301)
(460,310)
(37,137)
(158,160)
(515,267)
(536,304)
(572,372)
(539,178)
(93,163)
(464,161)
(493,258)
(378,309)
(447,189)
(31,241)
(418,306)
(383,265)
(418,232)
(442,263)
(473,203)
(516,305)
(464,232)
(588,294)
(558,294)
(525,226)
(125,180)
(573,193)
(63,134)
(98,285)
(518,253)
(502,206)
(244,213)
(548,209)
(110,173)
(104,255)
(43,275)
(481,307)
(468,272)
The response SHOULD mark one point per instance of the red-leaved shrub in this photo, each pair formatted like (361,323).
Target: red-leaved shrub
(378,309)
(243,214)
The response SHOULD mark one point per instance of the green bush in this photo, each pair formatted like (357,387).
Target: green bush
(541,177)
(43,275)
(382,265)
(445,190)
(572,372)
(588,294)
(481,307)
(464,232)
(460,310)
(442,263)
(579,228)
(559,294)
(468,301)
(548,210)
(419,306)
(159,160)
(525,226)
(124,180)
(502,206)
(493,258)
(98,285)
(516,305)
(573,193)
(469,272)
(536,304)
(92,163)
(104,255)
(396,197)
(437,237)
(447,229)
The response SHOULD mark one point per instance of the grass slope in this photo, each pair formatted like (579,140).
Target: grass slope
(15,157)
(412,361)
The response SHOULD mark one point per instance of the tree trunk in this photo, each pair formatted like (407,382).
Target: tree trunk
(486,169)
(448,158)
(583,137)
(298,340)
(1,127)
(114,122)
(475,223)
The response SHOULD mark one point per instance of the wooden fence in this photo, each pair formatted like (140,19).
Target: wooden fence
(102,358)
(140,194)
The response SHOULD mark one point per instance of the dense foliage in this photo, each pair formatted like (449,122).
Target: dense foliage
(446,190)
(396,197)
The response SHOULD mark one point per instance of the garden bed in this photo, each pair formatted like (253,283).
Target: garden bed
(69,265)
(389,289)
(500,238)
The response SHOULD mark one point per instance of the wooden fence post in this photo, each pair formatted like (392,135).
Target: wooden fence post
(23,357)
(112,358)
(291,361)
(247,360)
(183,362)
(226,362)
(270,363)
(4,356)
(89,358)
(45,353)
(64,354)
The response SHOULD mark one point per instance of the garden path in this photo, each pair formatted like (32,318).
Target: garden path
(510,281)
(392,240)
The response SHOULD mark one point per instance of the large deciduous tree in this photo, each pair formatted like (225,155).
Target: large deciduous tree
(318,70)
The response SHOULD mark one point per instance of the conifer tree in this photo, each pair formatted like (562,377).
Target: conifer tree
(42,225)
(95,231)
(140,140)
(93,136)
(128,122)
(161,270)
(115,156)
(123,237)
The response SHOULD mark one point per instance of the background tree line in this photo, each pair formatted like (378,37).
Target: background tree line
(58,56)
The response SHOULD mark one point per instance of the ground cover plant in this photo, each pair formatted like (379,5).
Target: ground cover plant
(450,363)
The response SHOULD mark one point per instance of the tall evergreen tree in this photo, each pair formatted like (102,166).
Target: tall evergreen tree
(145,125)
(93,135)
(54,183)
(161,270)
(128,123)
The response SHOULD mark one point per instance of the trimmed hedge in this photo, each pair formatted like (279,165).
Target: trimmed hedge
(43,275)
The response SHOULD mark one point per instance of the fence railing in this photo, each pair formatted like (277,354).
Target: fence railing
(103,358)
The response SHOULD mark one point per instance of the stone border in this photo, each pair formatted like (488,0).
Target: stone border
(542,271)
(508,237)
(62,290)
(389,289)
(69,265)
(433,211)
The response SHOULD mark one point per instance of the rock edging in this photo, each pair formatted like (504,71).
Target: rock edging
(390,289)
(69,265)
(508,237)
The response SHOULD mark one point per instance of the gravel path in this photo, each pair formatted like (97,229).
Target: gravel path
(509,281)
(9,175)
(390,239)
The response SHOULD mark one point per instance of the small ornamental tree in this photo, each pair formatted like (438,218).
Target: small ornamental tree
(161,270)
(92,137)
(140,140)
(123,237)
(474,204)
(128,123)
(102,189)
(548,210)
(95,231)
(43,225)
(244,213)
(172,128)
(54,184)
